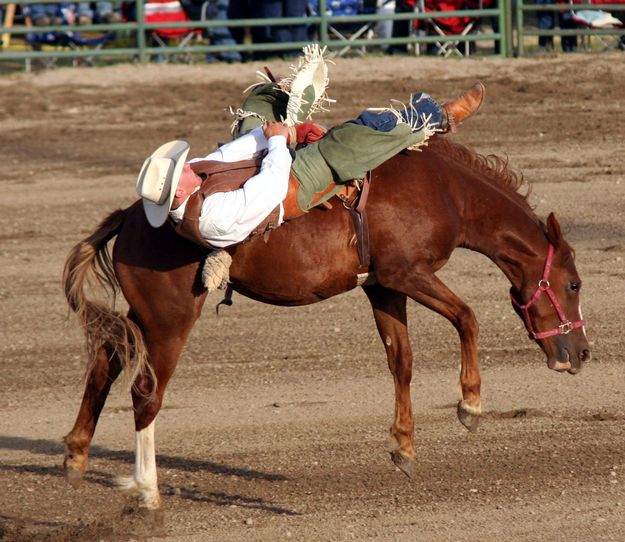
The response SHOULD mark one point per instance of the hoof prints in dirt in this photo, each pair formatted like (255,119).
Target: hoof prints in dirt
(131,522)
(517,413)
(602,415)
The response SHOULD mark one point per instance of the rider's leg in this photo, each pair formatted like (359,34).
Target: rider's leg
(348,152)
(265,102)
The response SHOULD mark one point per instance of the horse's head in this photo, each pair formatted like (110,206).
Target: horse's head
(549,303)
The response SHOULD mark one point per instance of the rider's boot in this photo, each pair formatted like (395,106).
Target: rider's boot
(463,107)
(423,112)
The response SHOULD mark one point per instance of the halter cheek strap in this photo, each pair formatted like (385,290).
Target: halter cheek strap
(566,326)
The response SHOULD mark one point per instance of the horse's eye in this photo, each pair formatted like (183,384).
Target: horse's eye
(574,286)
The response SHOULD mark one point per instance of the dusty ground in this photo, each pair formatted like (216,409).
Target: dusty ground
(297,449)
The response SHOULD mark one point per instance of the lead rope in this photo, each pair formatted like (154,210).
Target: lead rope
(227,300)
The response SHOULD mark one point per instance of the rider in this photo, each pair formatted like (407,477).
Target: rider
(346,152)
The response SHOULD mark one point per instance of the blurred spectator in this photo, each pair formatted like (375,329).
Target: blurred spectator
(245,9)
(262,9)
(50,14)
(384,29)
(194,10)
(164,12)
(545,22)
(401,29)
(494,23)
(449,26)
(569,43)
(288,33)
(104,13)
(216,10)
(479,21)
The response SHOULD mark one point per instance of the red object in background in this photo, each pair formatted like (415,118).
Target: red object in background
(449,25)
(166,11)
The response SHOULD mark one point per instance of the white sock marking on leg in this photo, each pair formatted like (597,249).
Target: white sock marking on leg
(144,481)
(145,465)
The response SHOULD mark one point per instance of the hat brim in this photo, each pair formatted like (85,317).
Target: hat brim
(307,85)
(157,214)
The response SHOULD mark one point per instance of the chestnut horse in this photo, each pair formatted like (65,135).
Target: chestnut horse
(422,205)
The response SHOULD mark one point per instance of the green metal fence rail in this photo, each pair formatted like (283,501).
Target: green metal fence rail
(522,31)
(142,51)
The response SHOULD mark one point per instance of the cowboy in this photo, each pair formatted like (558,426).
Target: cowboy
(170,186)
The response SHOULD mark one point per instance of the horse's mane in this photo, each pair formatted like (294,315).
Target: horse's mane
(492,168)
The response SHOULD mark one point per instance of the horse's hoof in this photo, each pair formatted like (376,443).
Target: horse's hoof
(153,515)
(75,463)
(403,463)
(470,420)
(151,502)
(127,484)
(147,498)
(73,475)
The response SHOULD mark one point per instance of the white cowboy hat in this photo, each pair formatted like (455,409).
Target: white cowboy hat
(307,86)
(159,178)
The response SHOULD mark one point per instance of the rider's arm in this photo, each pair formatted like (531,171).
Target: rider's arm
(229,217)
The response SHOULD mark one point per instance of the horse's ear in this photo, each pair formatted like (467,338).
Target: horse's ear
(554,234)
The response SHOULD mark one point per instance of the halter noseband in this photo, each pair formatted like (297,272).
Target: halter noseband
(566,326)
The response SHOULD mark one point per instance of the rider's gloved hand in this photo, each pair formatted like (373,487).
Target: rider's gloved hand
(309,132)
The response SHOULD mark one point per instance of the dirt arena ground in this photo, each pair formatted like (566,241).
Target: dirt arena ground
(297,449)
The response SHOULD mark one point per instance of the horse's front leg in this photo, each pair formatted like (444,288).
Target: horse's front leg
(105,370)
(428,290)
(389,310)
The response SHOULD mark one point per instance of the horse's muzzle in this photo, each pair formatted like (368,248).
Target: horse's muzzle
(571,364)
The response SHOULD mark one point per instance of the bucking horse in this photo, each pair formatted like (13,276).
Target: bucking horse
(421,206)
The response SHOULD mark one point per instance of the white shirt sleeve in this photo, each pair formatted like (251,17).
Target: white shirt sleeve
(242,148)
(229,217)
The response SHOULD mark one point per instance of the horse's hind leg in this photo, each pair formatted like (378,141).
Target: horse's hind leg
(389,310)
(106,369)
(164,347)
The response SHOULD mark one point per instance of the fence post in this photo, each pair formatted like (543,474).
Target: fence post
(140,17)
(520,13)
(509,29)
(503,29)
(323,26)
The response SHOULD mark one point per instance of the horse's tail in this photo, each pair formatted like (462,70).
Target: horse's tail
(89,264)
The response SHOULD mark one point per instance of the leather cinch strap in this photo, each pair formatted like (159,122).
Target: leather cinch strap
(361,225)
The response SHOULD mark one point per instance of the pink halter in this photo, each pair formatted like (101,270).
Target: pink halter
(566,326)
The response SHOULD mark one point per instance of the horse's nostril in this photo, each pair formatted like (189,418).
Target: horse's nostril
(584,355)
